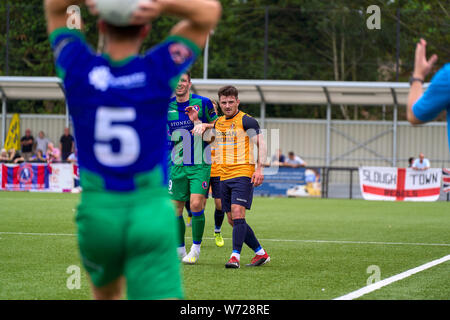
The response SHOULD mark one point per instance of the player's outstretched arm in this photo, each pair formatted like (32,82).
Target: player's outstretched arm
(199,17)
(422,68)
(56,12)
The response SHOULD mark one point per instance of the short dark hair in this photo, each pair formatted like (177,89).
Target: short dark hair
(188,73)
(291,153)
(123,33)
(228,91)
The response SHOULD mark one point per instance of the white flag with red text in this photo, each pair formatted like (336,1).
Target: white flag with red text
(400,184)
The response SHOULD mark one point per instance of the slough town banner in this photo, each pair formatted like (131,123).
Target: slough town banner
(57,177)
(400,184)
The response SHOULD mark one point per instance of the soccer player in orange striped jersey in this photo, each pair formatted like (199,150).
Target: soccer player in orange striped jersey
(236,135)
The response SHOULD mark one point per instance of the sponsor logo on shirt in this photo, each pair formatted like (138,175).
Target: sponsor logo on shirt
(102,79)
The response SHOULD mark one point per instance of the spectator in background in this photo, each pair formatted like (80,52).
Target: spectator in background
(72,158)
(4,156)
(66,144)
(410,162)
(53,154)
(14,156)
(421,163)
(27,143)
(278,158)
(41,144)
(294,161)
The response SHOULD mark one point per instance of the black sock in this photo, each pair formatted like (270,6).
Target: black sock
(218,219)
(250,239)
(239,232)
(187,205)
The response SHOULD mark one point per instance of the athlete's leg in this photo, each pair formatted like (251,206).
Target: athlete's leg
(179,206)
(219,215)
(111,291)
(189,217)
(198,227)
(198,217)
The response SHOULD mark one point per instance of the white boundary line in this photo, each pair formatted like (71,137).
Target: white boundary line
(387,281)
(274,240)
(38,234)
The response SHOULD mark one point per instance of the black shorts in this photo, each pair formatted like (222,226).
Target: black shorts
(236,191)
(214,182)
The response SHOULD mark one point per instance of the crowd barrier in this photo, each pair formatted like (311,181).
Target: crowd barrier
(54,177)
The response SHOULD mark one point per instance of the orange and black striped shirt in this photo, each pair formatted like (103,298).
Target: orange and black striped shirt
(232,150)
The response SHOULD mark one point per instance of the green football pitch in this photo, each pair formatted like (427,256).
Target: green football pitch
(319,249)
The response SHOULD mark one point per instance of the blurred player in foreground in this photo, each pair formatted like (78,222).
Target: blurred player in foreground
(237,133)
(425,107)
(118,103)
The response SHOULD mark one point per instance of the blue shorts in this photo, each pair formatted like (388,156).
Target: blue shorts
(236,191)
(214,182)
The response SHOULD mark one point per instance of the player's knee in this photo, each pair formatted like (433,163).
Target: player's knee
(197,205)
(237,212)
(230,220)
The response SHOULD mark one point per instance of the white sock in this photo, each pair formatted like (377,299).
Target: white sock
(260,252)
(196,247)
(237,255)
(217,230)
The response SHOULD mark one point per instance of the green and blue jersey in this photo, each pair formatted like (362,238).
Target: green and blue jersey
(188,149)
(119,109)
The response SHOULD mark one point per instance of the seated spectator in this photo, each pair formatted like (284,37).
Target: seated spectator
(27,143)
(53,154)
(39,156)
(14,156)
(66,144)
(73,157)
(421,163)
(278,159)
(410,162)
(4,156)
(41,143)
(294,161)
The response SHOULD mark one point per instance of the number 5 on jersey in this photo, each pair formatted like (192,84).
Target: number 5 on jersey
(107,129)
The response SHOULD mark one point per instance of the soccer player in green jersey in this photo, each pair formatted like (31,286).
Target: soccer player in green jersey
(118,103)
(191,161)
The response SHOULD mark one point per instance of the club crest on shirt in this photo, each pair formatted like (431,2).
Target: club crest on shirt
(25,174)
(179,53)
(197,108)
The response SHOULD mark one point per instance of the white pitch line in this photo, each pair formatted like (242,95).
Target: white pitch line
(275,240)
(387,281)
(38,234)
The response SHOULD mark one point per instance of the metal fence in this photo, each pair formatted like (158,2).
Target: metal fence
(353,143)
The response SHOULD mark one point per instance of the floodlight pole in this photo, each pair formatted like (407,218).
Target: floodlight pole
(394,128)
(328,133)
(206,59)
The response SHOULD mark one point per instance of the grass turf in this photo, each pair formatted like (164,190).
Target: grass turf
(319,249)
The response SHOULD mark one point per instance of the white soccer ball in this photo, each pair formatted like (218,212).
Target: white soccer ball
(117,12)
